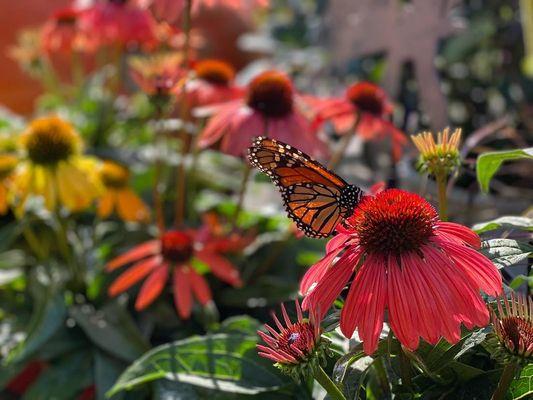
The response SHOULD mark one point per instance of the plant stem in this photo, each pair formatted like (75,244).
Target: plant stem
(508,374)
(323,379)
(242,192)
(443,198)
(405,369)
(158,167)
(180,202)
(33,243)
(343,144)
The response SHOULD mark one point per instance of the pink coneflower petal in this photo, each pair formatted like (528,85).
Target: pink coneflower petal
(221,267)
(182,291)
(365,304)
(459,231)
(317,271)
(478,268)
(218,125)
(141,251)
(152,287)
(200,287)
(331,284)
(133,275)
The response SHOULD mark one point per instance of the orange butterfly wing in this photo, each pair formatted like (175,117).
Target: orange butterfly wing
(311,193)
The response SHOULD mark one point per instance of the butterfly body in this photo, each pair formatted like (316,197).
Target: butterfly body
(314,197)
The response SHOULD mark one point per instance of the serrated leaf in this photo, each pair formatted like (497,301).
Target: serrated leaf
(522,388)
(227,363)
(489,163)
(506,252)
(475,338)
(506,222)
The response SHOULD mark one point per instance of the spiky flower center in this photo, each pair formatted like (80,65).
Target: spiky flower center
(297,340)
(271,94)
(393,222)
(517,335)
(177,246)
(114,175)
(215,71)
(50,140)
(367,97)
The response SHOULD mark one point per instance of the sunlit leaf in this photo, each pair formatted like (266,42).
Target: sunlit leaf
(506,252)
(507,222)
(489,163)
(522,388)
(227,363)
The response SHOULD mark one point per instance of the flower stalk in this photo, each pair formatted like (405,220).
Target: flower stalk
(324,380)
(508,374)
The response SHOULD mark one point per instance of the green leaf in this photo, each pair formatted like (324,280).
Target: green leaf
(507,222)
(506,252)
(107,370)
(489,163)
(63,380)
(47,318)
(475,338)
(519,280)
(227,363)
(522,388)
(242,324)
(111,329)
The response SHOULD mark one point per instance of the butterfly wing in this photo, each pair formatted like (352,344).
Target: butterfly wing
(310,192)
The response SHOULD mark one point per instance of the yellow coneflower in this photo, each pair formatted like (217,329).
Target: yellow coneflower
(119,196)
(8,162)
(440,156)
(54,167)
(439,159)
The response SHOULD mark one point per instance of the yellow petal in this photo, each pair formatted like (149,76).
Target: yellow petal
(106,204)
(130,207)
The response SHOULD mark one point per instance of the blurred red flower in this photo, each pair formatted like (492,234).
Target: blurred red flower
(118,23)
(270,108)
(213,84)
(364,110)
(61,32)
(407,261)
(172,254)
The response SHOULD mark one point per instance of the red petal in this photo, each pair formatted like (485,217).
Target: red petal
(133,275)
(152,287)
(460,232)
(200,288)
(138,252)
(221,267)
(181,288)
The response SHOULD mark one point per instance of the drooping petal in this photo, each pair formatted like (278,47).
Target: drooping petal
(106,204)
(331,284)
(181,287)
(143,250)
(133,275)
(221,267)
(464,234)
(365,305)
(403,316)
(478,268)
(318,270)
(130,207)
(200,287)
(152,287)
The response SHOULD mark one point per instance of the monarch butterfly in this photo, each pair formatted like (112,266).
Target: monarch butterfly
(314,197)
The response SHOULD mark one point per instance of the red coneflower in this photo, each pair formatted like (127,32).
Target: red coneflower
(118,23)
(365,109)
(270,108)
(172,254)
(61,32)
(213,84)
(513,325)
(409,262)
(297,348)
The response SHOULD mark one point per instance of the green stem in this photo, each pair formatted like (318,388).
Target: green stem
(33,243)
(242,192)
(508,374)
(405,369)
(66,253)
(343,144)
(323,379)
(443,198)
